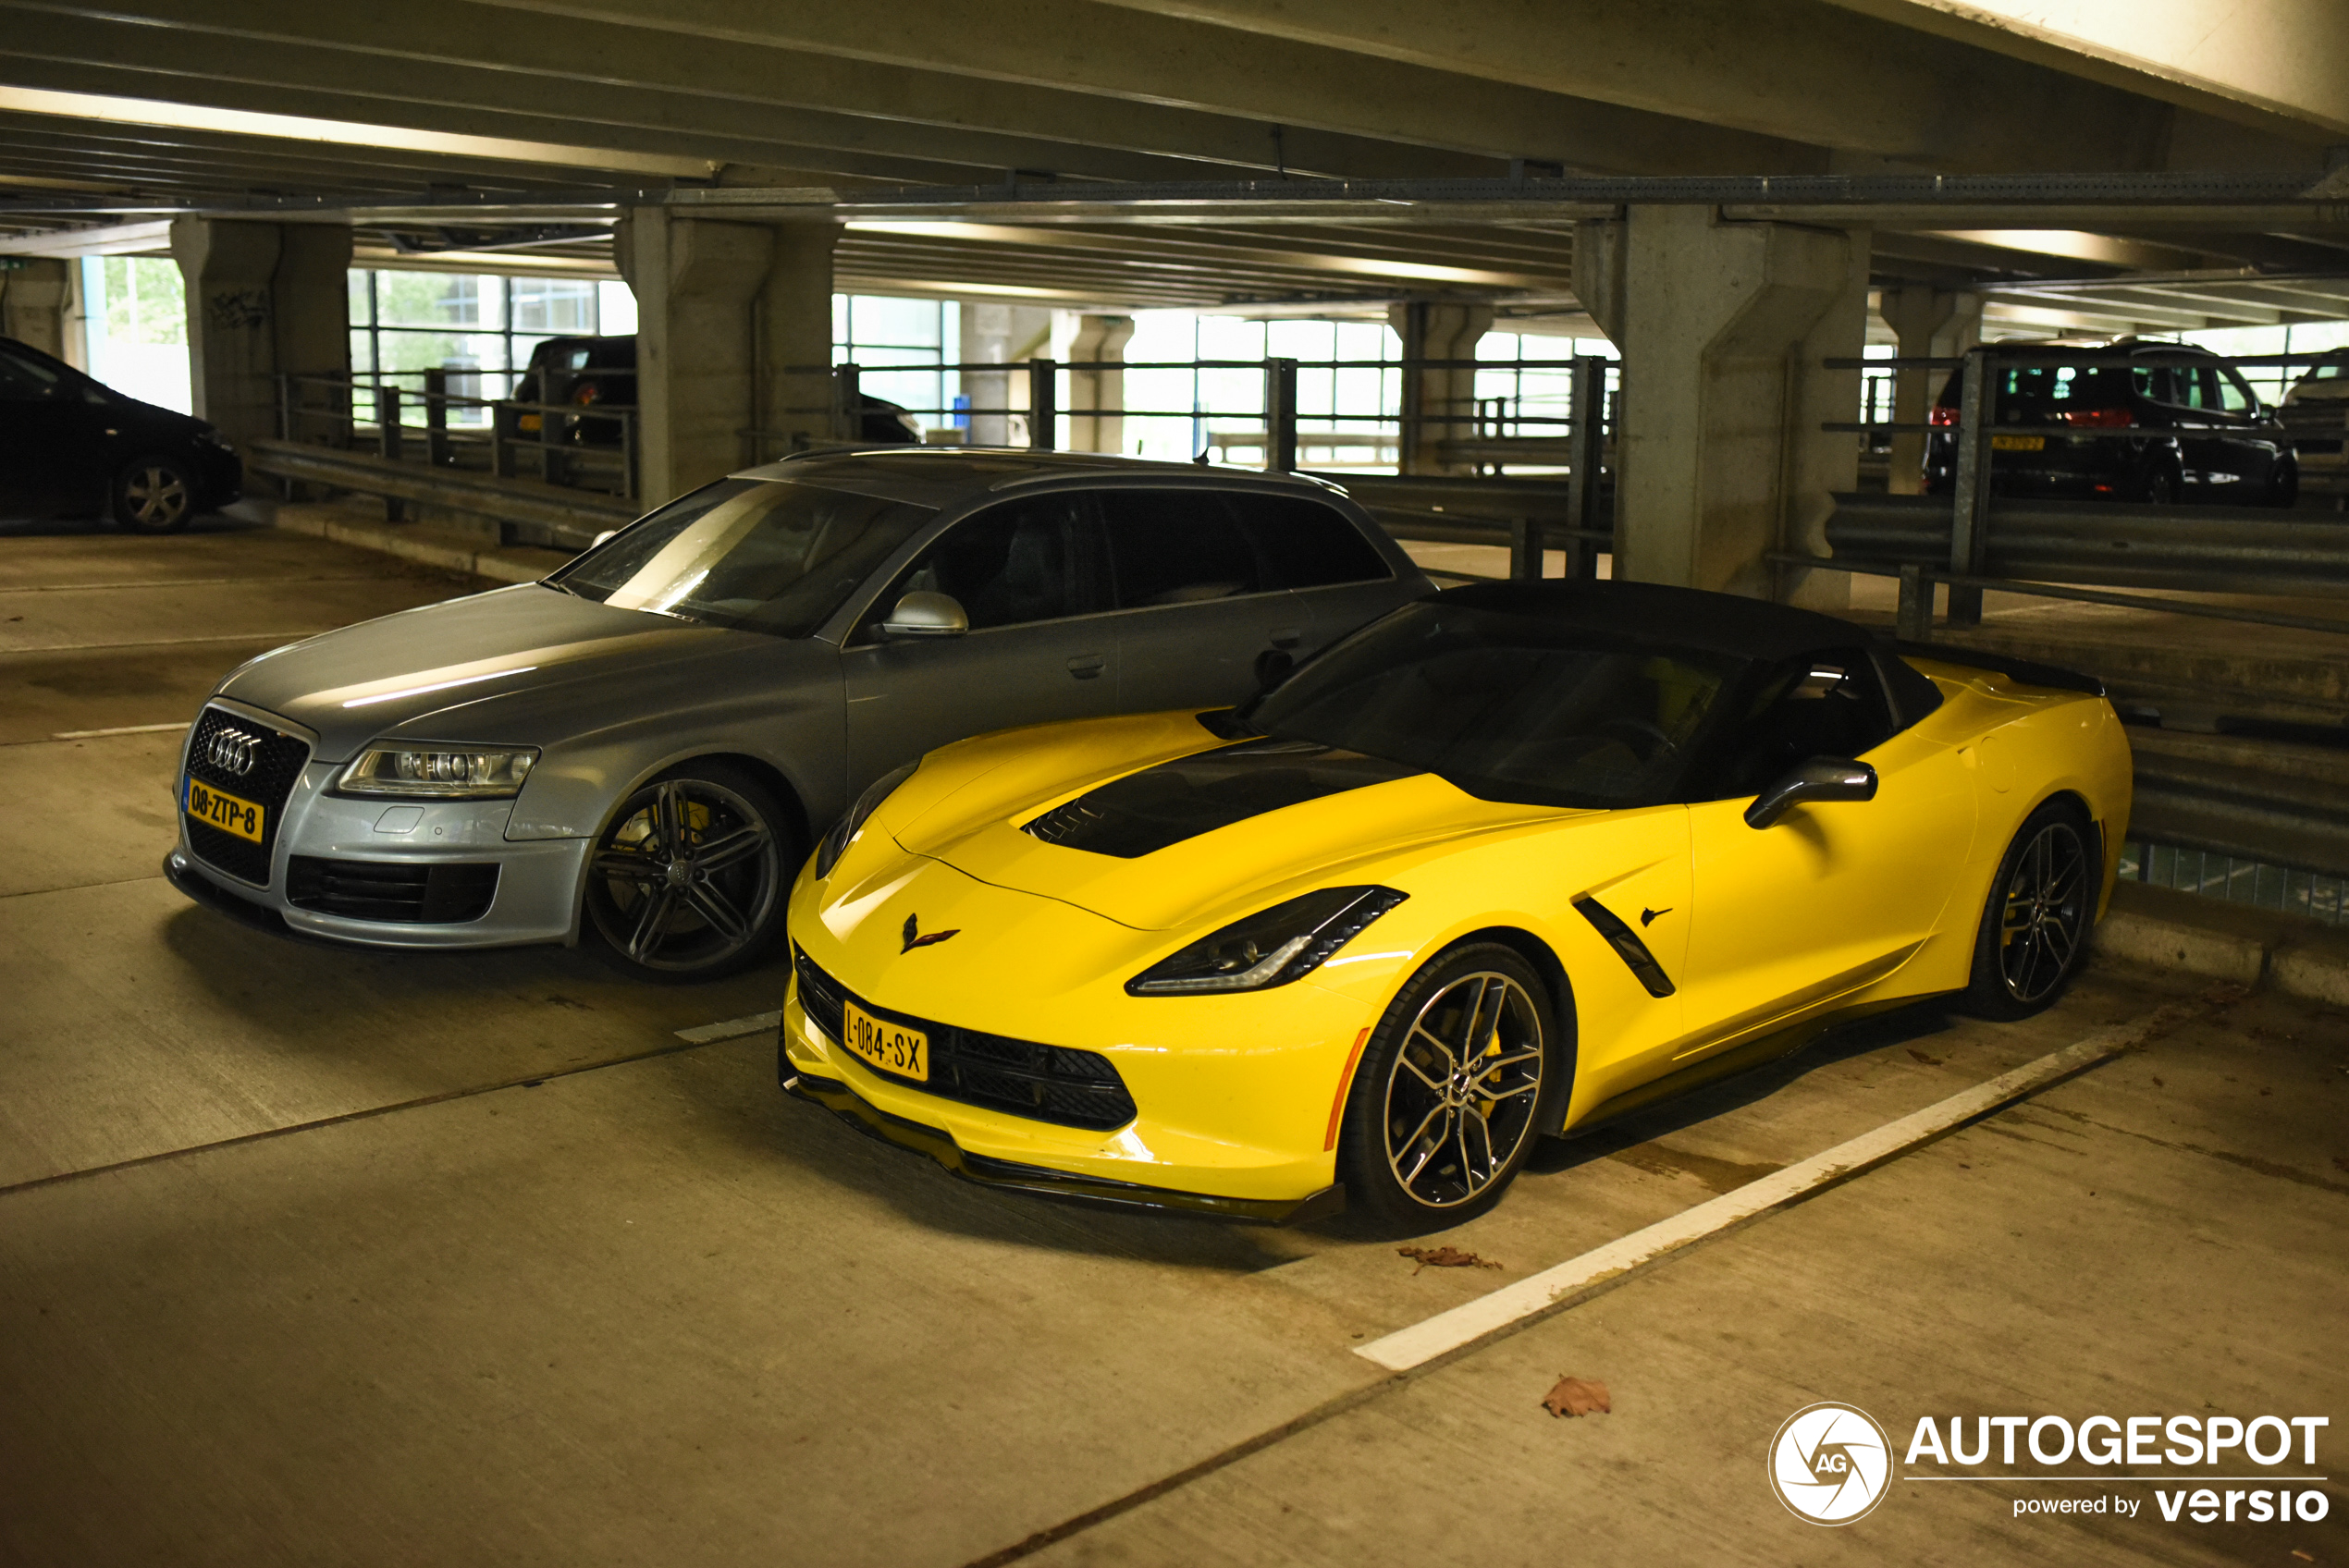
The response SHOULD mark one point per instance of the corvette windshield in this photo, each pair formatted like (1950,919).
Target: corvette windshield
(763,555)
(1508,707)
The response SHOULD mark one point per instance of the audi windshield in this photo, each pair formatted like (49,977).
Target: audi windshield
(766,555)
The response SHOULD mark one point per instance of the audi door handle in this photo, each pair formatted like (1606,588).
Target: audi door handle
(1085,666)
(1287,637)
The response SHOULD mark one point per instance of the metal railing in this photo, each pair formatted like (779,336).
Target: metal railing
(372,410)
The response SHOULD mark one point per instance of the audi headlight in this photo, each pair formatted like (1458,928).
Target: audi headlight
(430,771)
(1270,947)
(835,843)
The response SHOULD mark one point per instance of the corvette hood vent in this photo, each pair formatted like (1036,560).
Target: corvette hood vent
(1163,806)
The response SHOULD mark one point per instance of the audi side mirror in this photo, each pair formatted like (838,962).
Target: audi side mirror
(1821,779)
(926,615)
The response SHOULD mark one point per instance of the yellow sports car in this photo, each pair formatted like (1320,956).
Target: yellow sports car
(1510,860)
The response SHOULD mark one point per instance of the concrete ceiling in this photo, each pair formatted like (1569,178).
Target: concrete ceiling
(121,110)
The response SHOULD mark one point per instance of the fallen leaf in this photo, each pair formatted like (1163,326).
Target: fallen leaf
(2302,1555)
(2267,1091)
(1574,1397)
(2159,1084)
(1928,1060)
(2225,994)
(1443,1258)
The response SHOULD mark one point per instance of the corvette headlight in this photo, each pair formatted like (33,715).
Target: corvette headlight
(835,843)
(1272,947)
(426,771)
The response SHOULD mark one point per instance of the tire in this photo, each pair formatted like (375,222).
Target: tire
(2035,924)
(1417,1154)
(154,494)
(716,908)
(2283,481)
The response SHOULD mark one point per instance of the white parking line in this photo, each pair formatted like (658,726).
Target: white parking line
(1446,1331)
(117,730)
(757,1023)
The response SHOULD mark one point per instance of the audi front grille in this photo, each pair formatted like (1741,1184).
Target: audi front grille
(271,761)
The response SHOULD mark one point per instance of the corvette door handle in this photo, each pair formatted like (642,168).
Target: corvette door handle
(1287,637)
(1085,666)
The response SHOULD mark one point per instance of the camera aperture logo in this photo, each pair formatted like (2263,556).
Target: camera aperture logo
(1830,1464)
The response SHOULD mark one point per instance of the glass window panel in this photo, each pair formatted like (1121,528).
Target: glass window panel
(899,322)
(615,310)
(553,305)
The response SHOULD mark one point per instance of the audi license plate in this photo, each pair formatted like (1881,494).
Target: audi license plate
(229,812)
(2018,443)
(892,1047)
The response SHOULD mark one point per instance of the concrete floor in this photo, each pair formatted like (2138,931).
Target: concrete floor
(312,1256)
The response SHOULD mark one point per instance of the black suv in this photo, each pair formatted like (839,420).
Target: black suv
(2206,436)
(71,446)
(585,371)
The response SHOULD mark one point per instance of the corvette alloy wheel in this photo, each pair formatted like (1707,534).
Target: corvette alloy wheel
(1462,1091)
(2044,912)
(684,884)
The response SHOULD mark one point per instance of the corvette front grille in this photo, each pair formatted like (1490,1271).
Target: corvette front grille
(1057,1084)
(278,762)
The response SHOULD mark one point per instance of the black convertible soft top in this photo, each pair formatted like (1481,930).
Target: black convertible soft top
(1692,617)
(1730,623)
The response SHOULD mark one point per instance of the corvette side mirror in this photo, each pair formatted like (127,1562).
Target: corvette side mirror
(926,615)
(1821,779)
(1272,666)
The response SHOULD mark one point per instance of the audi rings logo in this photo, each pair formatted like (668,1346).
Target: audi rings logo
(233,750)
(1830,1464)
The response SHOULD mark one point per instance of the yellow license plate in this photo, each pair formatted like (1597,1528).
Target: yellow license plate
(892,1047)
(2018,443)
(229,812)
(528,421)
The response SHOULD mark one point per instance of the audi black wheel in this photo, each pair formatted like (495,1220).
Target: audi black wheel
(2035,927)
(154,495)
(1444,1107)
(687,882)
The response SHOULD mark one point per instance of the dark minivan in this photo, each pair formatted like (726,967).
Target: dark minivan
(2205,434)
(584,373)
(71,446)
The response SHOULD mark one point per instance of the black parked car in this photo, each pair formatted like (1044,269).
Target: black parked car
(71,446)
(2208,438)
(585,371)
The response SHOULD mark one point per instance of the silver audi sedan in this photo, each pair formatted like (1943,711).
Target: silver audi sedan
(637,751)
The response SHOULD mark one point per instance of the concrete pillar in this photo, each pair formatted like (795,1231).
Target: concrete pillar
(998,335)
(1930,324)
(37,294)
(1719,456)
(734,335)
(262,297)
(794,392)
(1437,404)
(1097,397)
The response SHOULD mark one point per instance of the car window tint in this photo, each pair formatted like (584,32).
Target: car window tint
(2234,395)
(2153,380)
(2198,382)
(1174,547)
(1025,561)
(1829,704)
(1305,543)
(762,555)
(25,380)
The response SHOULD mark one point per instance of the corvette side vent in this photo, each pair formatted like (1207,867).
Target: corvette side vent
(1627,946)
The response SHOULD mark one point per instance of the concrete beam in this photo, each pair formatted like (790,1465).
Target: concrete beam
(1086,47)
(2270,64)
(34,299)
(1926,323)
(1802,70)
(935,114)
